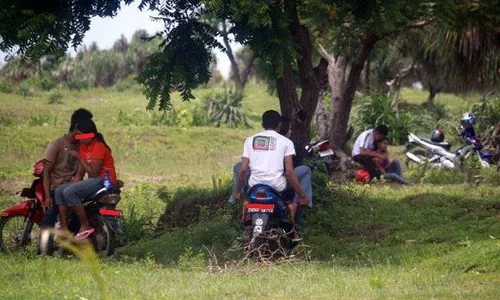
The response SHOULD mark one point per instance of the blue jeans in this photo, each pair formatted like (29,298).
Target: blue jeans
(395,172)
(303,174)
(72,194)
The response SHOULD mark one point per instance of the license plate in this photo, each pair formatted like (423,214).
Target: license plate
(255,207)
(111,212)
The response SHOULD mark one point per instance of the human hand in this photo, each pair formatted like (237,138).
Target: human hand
(74,153)
(237,196)
(48,203)
(303,200)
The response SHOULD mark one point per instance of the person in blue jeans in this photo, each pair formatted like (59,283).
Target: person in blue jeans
(59,166)
(268,159)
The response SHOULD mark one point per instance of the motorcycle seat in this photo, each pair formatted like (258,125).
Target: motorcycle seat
(444,145)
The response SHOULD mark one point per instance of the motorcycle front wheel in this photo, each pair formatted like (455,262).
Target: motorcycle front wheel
(15,233)
(420,154)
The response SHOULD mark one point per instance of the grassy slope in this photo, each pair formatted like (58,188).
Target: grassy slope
(381,243)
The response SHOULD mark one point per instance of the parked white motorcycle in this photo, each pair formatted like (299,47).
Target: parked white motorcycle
(437,154)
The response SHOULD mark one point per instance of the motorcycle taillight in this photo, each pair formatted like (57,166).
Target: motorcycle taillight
(261,196)
(324,146)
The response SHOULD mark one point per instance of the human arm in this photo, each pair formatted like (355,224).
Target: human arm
(80,173)
(91,168)
(378,165)
(241,177)
(47,169)
(293,180)
(368,152)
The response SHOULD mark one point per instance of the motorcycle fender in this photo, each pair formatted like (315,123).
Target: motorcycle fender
(259,222)
(20,209)
(113,224)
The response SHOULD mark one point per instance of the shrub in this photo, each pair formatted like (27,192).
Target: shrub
(376,109)
(167,118)
(42,120)
(226,108)
(185,207)
(77,84)
(46,84)
(127,84)
(487,113)
(137,225)
(136,118)
(55,97)
(5,87)
(25,90)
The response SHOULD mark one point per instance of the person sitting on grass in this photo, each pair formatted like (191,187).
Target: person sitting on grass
(391,169)
(95,160)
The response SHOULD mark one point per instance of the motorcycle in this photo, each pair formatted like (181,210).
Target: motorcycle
(437,154)
(268,233)
(17,221)
(319,156)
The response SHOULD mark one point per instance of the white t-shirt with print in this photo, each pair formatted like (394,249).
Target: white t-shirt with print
(365,140)
(266,152)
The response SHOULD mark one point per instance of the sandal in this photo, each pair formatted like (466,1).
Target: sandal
(84,234)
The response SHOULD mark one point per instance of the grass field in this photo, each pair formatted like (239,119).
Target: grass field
(430,241)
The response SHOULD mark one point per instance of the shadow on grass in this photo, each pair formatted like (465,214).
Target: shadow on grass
(349,225)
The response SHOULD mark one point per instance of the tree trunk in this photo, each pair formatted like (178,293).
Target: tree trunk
(235,71)
(367,76)
(246,72)
(433,91)
(341,106)
(309,77)
(321,116)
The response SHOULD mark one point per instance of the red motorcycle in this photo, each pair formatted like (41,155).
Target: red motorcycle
(17,221)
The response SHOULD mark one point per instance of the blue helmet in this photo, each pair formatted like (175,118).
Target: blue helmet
(467,119)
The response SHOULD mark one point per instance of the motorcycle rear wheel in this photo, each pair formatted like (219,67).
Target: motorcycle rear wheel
(104,238)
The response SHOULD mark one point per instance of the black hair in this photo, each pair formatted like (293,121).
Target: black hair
(88,126)
(271,119)
(285,126)
(382,129)
(78,116)
(380,142)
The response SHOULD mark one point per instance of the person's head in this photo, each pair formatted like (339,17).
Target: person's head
(86,133)
(78,116)
(380,132)
(271,120)
(285,127)
(382,145)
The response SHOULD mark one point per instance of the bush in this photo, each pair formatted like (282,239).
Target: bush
(55,97)
(25,90)
(226,108)
(376,109)
(5,87)
(77,84)
(186,206)
(127,84)
(487,113)
(136,118)
(42,120)
(136,225)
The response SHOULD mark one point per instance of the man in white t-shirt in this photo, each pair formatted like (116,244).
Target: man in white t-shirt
(269,156)
(364,148)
